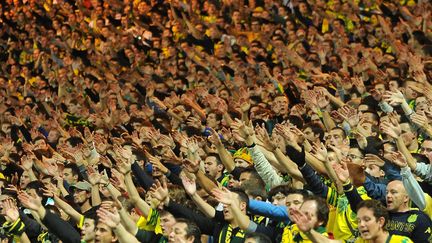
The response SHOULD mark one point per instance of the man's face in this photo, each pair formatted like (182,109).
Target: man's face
(356,156)
(167,222)
(104,234)
(309,134)
(335,138)
(426,148)
(293,201)
(178,234)
(310,208)
(408,136)
(88,230)
(241,163)
(368,225)
(24,180)
(374,170)
(211,167)
(280,105)
(212,121)
(409,92)
(80,196)
(68,176)
(396,196)
(244,177)
(279,199)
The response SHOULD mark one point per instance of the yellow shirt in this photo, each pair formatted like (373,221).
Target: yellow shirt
(292,233)
(391,239)
(342,220)
(151,223)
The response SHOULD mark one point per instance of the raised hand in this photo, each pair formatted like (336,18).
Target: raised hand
(10,210)
(350,115)
(420,119)
(373,159)
(394,98)
(29,202)
(110,217)
(192,166)
(303,222)
(160,191)
(264,139)
(342,171)
(319,151)
(398,159)
(214,138)
(188,184)
(391,128)
(244,131)
(27,162)
(224,196)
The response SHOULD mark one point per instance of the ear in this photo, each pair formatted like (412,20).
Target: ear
(346,141)
(381,222)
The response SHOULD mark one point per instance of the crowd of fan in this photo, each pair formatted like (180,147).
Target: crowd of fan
(216,121)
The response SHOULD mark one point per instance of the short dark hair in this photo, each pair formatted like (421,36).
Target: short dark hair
(75,170)
(284,189)
(377,208)
(258,237)
(316,129)
(192,229)
(243,197)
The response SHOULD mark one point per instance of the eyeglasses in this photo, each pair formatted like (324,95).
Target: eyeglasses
(353,156)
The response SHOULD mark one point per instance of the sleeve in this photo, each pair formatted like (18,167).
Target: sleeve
(424,171)
(391,171)
(415,192)
(62,229)
(352,195)
(264,168)
(268,210)
(143,179)
(33,228)
(374,190)
(205,224)
(173,178)
(317,186)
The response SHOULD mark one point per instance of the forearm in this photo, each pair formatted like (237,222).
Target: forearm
(69,210)
(269,210)
(226,158)
(123,235)
(404,150)
(264,168)
(205,182)
(316,164)
(95,196)
(135,197)
(374,190)
(241,218)
(203,206)
(328,121)
(413,188)
(352,195)
(290,167)
(127,222)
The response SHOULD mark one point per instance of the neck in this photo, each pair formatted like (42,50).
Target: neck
(382,238)
(85,206)
(234,223)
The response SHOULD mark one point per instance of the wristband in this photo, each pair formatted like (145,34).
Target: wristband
(252,145)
